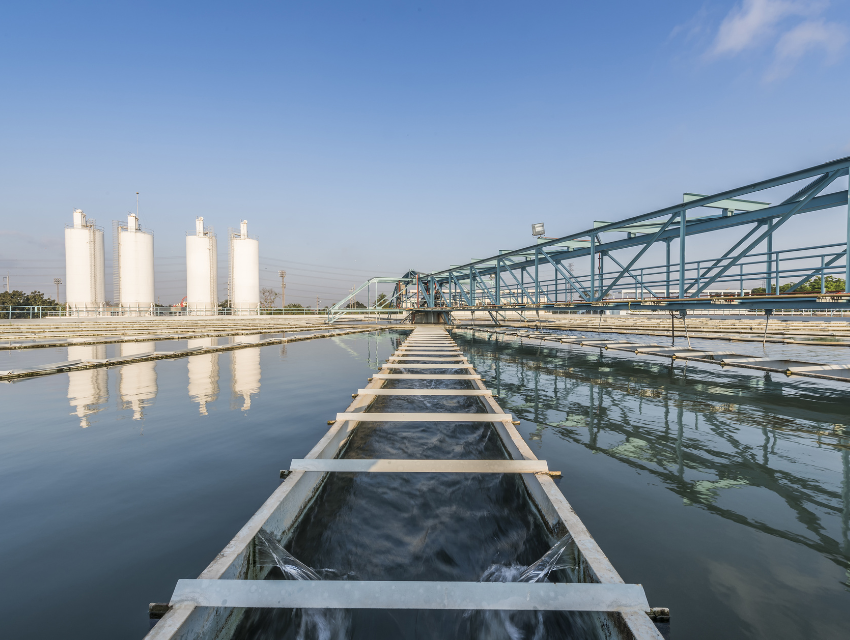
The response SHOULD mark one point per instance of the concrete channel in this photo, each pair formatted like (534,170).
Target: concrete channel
(214,605)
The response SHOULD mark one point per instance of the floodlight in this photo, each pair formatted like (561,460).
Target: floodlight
(537,229)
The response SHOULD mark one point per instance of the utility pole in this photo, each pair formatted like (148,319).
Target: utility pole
(282,275)
(57,282)
(350,302)
(6,282)
(317,305)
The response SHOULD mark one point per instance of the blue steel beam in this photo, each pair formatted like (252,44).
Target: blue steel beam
(820,270)
(460,288)
(727,254)
(640,253)
(566,273)
(771,228)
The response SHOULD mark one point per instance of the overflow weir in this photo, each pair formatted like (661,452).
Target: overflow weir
(430,518)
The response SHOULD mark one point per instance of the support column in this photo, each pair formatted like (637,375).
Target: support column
(847,248)
(601,272)
(522,285)
(498,281)
(537,276)
(592,267)
(667,286)
(768,276)
(683,221)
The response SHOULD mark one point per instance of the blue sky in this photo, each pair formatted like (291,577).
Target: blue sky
(372,137)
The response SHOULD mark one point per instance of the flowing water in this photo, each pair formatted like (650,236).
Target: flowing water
(424,527)
(726,493)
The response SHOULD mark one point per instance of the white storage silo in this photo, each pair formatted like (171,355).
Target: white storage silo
(84,279)
(244,272)
(134,274)
(201,271)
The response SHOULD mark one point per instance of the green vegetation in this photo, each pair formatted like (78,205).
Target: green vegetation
(18,298)
(833,284)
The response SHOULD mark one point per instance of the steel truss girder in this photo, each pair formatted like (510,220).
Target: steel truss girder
(706,225)
(709,224)
(663,226)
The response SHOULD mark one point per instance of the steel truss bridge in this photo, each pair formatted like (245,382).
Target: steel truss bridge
(543,276)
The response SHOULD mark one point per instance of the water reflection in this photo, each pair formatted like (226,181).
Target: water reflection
(245,371)
(771,455)
(203,374)
(87,390)
(137,382)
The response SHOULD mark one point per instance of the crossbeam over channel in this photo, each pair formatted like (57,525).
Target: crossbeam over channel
(425,417)
(353,594)
(354,465)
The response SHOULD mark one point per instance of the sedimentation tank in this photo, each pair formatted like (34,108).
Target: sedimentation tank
(84,292)
(201,271)
(244,272)
(135,280)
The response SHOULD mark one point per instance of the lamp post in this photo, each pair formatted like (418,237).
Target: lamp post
(57,282)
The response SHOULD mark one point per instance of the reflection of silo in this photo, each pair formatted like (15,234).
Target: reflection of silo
(244,272)
(203,375)
(137,384)
(201,271)
(87,390)
(83,266)
(134,267)
(245,370)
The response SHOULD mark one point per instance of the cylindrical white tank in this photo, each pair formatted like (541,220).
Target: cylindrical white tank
(245,370)
(137,382)
(135,268)
(87,389)
(244,272)
(84,292)
(203,374)
(201,271)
